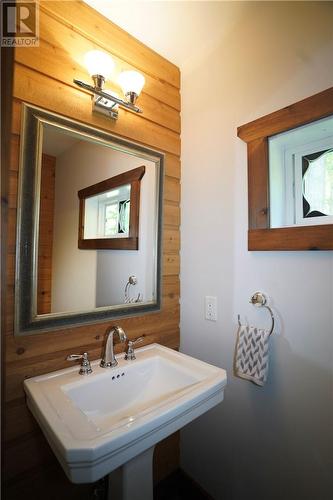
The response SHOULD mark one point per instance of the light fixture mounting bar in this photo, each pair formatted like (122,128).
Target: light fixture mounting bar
(114,99)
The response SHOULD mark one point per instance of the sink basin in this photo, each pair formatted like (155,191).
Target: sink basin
(97,423)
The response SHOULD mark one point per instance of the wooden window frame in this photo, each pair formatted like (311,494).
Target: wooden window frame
(256,134)
(132,177)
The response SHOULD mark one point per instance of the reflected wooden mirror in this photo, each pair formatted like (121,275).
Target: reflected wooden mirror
(109,212)
(290,176)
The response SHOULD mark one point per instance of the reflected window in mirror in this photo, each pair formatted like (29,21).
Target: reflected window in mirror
(317,192)
(107,214)
(301,175)
(110,212)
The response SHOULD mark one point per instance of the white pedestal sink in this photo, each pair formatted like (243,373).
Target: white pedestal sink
(134,479)
(113,417)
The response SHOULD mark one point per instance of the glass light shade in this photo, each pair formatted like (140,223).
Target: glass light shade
(99,63)
(131,81)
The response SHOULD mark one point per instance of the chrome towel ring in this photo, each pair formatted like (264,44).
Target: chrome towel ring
(259,299)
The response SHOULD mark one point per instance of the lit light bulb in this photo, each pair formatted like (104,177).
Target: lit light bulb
(99,65)
(131,83)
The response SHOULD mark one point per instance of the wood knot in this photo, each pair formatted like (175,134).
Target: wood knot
(20,350)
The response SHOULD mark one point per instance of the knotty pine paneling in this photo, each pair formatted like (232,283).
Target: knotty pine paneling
(54,40)
(44,77)
(45,243)
(35,88)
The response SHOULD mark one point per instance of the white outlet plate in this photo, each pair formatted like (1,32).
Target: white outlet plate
(211,308)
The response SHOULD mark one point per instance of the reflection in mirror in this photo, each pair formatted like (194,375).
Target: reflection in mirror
(301,175)
(110,212)
(317,169)
(106,215)
(59,284)
(74,277)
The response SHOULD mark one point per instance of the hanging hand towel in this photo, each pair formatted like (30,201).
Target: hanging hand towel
(251,356)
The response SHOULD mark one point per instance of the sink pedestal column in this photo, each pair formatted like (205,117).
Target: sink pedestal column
(133,480)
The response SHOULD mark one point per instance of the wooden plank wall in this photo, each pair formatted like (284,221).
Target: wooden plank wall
(43,76)
(45,238)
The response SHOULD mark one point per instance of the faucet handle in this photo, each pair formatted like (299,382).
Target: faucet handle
(130,355)
(74,357)
(85,368)
(137,340)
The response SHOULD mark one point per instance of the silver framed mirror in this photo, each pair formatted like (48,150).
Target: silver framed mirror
(58,284)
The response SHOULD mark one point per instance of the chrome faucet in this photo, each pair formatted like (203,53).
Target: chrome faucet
(108,358)
(130,354)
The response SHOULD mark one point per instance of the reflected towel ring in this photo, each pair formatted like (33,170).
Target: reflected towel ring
(259,299)
(132,280)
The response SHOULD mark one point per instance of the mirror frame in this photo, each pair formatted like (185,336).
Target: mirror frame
(131,242)
(26,319)
(256,133)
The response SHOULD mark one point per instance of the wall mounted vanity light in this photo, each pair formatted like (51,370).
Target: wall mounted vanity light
(131,83)
(100,67)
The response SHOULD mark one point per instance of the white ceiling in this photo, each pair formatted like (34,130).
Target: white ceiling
(178,30)
(57,141)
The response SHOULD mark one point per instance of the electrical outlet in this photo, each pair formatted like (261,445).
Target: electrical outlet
(211,308)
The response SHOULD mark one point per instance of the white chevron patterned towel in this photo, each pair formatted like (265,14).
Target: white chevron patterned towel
(251,356)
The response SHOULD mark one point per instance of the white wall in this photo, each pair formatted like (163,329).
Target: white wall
(271,443)
(73,270)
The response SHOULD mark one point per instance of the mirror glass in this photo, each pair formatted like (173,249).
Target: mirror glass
(301,175)
(101,261)
(70,278)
